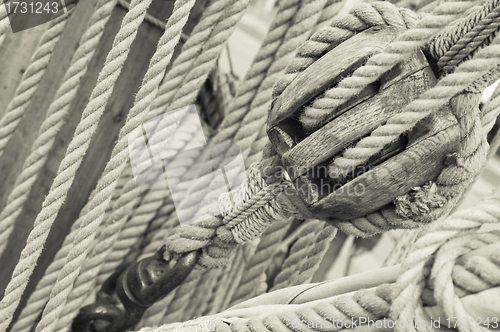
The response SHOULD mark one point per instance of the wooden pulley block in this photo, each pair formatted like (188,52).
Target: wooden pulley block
(322,190)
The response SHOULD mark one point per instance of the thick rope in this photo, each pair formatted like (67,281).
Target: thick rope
(304,20)
(92,264)
(342,28)
(259,262)
(119,156)
(239,105)
(411,281)
(442,268)
(246,91)
(39,298)
(4,23)
(184,230)
(315,255)
(173,82)
(461,41)
(331,9)
(230,278)
(298,254)
(373,304)
(153,199)
(56,114)
(379,64)
(191,85)
(30,81)
(69,165)
(428,103)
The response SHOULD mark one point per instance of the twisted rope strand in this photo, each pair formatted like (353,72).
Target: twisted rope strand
(468,34)
(30,82)
(187,95)
(154,199)
(411,280)
(4,23)
(56,114)
(190,51)
(116,165)
(428,103)
(38,299)
(298,254)
(92,265)
(376,66)
(259,262)
(303,24)
(304,20)
(342,28)
(246,91)
(315,255)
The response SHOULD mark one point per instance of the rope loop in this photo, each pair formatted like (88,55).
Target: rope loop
(431,264)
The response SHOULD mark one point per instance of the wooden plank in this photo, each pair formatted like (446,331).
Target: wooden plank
(328,70)
(359,121)
(103,141)
(378,187)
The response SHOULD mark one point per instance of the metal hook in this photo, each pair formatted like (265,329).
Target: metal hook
(138,287)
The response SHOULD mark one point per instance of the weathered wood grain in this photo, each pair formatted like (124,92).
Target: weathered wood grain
(414,159)
(378,187)
(358,121)
(103,141)
(328,71)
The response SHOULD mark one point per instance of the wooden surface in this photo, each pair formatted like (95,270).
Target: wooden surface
(364,114)
(374,189)
(103,141)
(328,71)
